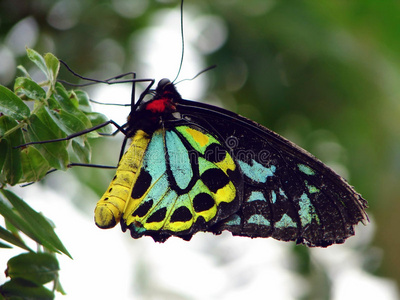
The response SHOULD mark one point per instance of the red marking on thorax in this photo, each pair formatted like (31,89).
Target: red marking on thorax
(160,105)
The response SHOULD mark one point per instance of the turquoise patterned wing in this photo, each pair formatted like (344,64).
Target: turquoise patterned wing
(182,186)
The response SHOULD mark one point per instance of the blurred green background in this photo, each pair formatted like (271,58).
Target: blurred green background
(325,74)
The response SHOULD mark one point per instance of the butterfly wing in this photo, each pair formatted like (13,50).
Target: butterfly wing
(186,182)
(288,194)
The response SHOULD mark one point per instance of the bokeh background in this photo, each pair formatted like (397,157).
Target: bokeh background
(325,74)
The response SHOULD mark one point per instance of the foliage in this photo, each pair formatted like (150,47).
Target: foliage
(35,112)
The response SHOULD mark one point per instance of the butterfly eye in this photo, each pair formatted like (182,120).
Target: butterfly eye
(177,115)
(163,83)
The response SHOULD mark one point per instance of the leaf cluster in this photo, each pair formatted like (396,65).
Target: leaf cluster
(37,112)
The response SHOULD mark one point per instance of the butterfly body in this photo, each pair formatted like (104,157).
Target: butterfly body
(195,167)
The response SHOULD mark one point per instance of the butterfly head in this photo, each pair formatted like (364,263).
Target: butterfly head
(160,107)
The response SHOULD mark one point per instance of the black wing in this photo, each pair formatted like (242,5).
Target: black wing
(288,193)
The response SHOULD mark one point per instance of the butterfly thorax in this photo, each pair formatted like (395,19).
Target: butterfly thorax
(159,108)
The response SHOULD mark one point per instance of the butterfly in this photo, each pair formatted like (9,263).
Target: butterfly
(194,167)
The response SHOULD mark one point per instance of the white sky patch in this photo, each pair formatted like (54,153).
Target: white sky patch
(357,284)
(114,94)
(156,52)
(159,48)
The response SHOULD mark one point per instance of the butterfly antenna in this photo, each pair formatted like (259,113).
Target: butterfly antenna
(183,45)
(198,74)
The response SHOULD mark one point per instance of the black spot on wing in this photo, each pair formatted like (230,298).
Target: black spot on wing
(215,153)
(181,214)
(141,185)
(203,202)
(157,216)
(143,209)
(214,179)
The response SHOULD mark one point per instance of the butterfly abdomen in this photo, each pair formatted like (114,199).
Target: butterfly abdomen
(109,208)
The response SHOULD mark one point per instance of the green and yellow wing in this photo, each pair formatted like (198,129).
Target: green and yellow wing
(179,181)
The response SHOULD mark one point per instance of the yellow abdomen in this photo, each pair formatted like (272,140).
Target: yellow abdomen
(109,208)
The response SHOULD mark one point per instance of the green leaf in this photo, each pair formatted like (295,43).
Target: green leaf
(12,239)
(49,119)
(53,104)
(71,104)
(34,165)
(83,100)
(15,220)
(39,268)
(11,105)
(97,119)
(68,103)
(29,88)
(20,289)
(53,66)
(54,152)
(24,71)
(31,223)
(82,153)
(38,60)
(58,287)
(3,143)
(3,152)
(71,124)
(4,245)
(12,169)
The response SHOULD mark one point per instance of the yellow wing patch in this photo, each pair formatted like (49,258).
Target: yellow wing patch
(198,136)
(197,139)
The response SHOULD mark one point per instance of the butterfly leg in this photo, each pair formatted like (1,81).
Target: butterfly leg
(120,128)
(111,80)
